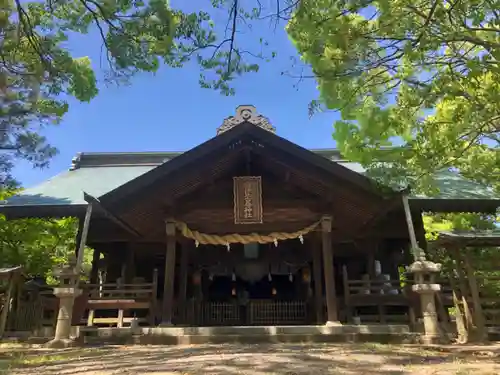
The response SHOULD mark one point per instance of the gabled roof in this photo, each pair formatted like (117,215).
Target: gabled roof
(111,175)
(228,137)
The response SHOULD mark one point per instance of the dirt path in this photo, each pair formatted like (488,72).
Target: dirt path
(256,360)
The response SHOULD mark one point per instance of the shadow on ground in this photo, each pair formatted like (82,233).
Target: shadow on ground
(266,359)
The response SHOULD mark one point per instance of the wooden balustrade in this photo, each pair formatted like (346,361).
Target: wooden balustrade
(122,298)
(377,301)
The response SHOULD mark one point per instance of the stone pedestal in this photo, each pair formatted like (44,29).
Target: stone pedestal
(66,292)
(67,298)
(425,285)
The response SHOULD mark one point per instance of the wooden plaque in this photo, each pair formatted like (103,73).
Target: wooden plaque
(248,200)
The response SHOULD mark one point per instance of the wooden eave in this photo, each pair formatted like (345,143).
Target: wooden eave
(471,238)
(141,185)
(486,206)
(5,273)
(44,211)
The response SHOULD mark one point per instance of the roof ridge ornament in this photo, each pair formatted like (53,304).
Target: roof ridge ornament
(76,161)
(246,113)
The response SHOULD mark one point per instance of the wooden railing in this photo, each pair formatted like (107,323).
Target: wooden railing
(256,312)
(380,300)
(34,313)
(120,303)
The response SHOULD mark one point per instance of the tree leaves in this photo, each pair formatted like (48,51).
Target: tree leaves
(421,76)
(37,69)
(38,244)
(484,259)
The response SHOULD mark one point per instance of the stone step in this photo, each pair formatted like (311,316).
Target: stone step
(252,330)
(250,339)
(247,335)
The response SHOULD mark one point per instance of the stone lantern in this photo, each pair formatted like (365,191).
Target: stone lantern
(67,291)
(426,286)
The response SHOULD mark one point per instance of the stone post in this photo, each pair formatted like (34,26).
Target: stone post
(67,291)
(425,285)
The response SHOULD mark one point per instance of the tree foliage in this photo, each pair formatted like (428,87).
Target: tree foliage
(38,72)
(485,260)
(38,245)
(422,76)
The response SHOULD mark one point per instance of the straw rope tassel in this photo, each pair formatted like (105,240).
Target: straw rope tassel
(213,239)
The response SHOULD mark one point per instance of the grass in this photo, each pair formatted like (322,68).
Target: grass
(18,358)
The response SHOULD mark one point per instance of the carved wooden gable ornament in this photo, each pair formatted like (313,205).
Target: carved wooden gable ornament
(246,113)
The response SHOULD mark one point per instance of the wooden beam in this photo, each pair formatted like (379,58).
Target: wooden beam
(379,216)
(302,168)
(339,234)
(94,201)
(183,208)
(411,229)
(83,239)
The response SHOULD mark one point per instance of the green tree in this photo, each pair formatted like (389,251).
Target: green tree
(421,76)
(38,245)
(37,71)
(484,260)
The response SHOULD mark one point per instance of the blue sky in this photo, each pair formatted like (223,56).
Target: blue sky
(168,111)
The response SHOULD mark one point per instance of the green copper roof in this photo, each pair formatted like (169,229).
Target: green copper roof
(468,238)
(100,173)
(453,186)
(68,187)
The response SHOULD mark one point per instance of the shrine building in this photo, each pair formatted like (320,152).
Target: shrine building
(245,229)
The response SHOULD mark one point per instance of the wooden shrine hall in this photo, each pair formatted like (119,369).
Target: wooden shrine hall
(246,229)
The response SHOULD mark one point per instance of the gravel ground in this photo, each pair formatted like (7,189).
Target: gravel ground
(255,359)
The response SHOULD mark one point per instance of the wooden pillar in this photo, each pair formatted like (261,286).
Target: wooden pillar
(94,272)
(481,334)
(83,237)
(186,249)
(318,281)
(417,254)
(462,285)
(6,308)
(78,237)
(331,298)
(130,263)
(420,232)
(168,284)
